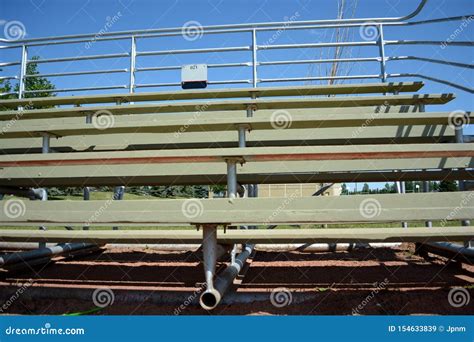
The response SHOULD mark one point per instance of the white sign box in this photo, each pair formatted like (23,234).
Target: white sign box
(194,76)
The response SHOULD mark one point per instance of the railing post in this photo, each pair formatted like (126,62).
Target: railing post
(459,133)
(254,58)
(381,44)
(133,56)
(24,63)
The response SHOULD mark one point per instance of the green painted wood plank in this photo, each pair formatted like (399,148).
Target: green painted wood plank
(287,120)
(363,88)
(290,210)
(196,107)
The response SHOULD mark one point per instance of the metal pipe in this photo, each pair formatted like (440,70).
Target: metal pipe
(168,52)
(432,60)
(209,66)
(381,44)
(276,25)
(254,58)
(322,247)
(438,80)
(24,59)
(231,178)
(133,57)
(66,90)
(210,299)
(450,250)
(74,73)
(209,246)
(79,58)
(32,194)
(14,258)
(328,60)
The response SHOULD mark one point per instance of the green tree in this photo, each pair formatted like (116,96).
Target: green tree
(366,188)
(344,190)
(448,186)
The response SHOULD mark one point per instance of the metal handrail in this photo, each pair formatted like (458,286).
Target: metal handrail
(232,26)
(377,23)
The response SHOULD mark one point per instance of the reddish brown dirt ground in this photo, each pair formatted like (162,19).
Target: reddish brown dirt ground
(388,281)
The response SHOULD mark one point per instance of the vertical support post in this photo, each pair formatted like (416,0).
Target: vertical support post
(209,249)
(133,56)
(231,178)
(426,184)
(86,196)
(118,196)
(459,134)
(24,63)
(254,58)
(381,44)
(45,149)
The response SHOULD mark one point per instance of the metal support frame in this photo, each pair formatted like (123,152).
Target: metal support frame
(133,56)
(381,44)
(459,133)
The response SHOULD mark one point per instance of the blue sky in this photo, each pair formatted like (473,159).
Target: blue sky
(43,18)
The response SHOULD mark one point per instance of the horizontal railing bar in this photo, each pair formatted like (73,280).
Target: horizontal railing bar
(330,60)
(177,84)
(432,60)
(10,93)
(276,25)
(455,85)
(321,78)
(178,67)
(8,78)
(171,52)
(314,45)
(80,58)
(328,235)
(428,42)
(65,90)
(439,20)
(73,73)
(9,64)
